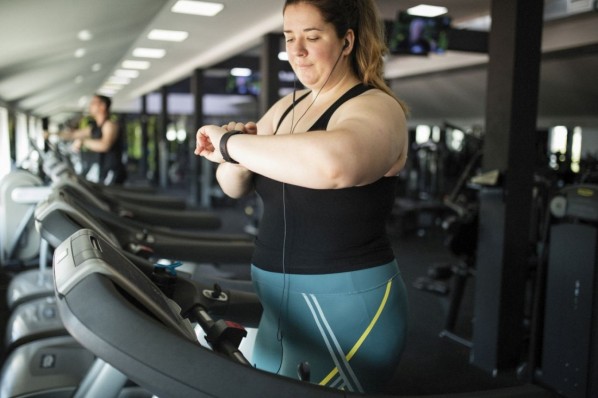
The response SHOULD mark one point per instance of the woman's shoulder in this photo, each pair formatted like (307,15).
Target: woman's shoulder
(376,97)
(109,124)
(374,105)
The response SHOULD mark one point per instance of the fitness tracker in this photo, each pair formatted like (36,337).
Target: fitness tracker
(223,149)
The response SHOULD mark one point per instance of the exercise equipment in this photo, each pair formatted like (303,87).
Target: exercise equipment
(19,241)
(87,266)
(568,360)
(57,219)
(70,214)
(60,216)
(29,285)
(461,228)
(150,208)
(45,368)
(239,306)
(104,299)
(32,320)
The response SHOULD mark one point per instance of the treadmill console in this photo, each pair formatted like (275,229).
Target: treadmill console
(85,253)
(576,201)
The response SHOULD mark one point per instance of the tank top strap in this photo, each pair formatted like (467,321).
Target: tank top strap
(289,109)
(322,122)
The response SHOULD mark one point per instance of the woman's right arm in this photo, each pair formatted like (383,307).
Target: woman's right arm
(235,180)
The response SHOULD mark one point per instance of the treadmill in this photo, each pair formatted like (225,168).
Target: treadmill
(61,214)
(113,309)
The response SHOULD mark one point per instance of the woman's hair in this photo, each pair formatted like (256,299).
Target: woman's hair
(369,47)
(104,100)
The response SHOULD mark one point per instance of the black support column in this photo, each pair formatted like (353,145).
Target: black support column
(197,89)
(503,243)
(161,143)
(270,67)
(143,120)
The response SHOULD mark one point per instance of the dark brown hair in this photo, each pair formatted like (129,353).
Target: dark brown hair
(369,47)
(104,100)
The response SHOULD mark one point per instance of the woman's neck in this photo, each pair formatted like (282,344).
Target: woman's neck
(100,119)
(334,87)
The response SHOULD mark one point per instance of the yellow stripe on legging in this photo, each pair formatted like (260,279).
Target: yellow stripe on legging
(365,334)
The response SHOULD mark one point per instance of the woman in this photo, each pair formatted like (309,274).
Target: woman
(324,161)
(105,139)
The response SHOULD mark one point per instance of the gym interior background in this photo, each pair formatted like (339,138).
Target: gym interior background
(496,218)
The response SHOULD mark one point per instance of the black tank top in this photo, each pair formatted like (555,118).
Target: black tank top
(327,230)
(112,169)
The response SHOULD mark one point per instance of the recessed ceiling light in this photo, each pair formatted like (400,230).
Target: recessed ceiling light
(142,52)
(129,64)
(283,56)
(84,35)
(425,10)
(217,73)
(107,91)
(479,23)
(204,8)
(96,67)
(80,53)
(128,73)
(167,35)
(113,86)
(78,79)
(118,80)
(240,72)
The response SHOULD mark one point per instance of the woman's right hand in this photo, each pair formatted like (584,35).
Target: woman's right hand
(208,138)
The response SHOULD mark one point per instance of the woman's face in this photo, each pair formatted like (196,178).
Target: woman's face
(311,43)
(95,106)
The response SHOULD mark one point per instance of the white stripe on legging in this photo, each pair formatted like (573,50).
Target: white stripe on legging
(337,355)
(339,351)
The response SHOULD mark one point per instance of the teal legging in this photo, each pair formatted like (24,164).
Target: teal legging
(349,326)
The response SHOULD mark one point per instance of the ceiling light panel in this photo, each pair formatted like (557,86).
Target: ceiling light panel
(118,80)
(84,35)
(167,35)
(107,91)
(142,52)
(128,73)
(131,64)
(203,8)
(240,72)
(425,10)
(112,86)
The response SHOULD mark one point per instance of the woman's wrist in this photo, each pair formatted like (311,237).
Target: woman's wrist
(224,146)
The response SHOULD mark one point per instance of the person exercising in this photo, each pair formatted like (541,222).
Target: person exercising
(324,161)
(104,138)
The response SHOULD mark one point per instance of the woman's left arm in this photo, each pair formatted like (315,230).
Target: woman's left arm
(366,140)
